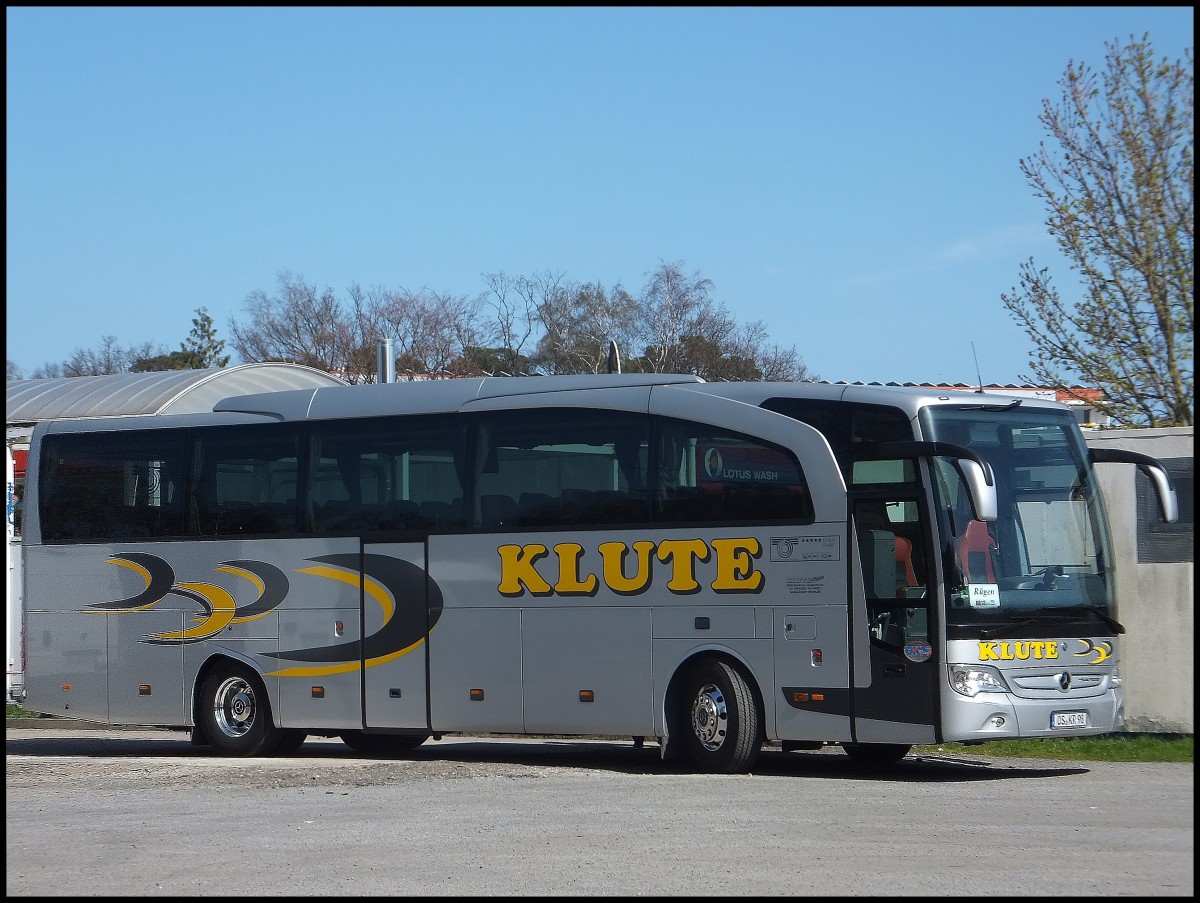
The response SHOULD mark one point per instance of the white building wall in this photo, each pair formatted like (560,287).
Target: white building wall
(1156,600)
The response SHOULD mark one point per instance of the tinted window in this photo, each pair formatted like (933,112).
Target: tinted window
(245,481)
(850,429)
(562,466)
(389,474)
(118,486)
(710,474)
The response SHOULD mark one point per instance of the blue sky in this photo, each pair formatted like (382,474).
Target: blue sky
(848,176)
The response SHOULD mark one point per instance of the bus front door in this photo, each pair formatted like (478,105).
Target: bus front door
(897,701)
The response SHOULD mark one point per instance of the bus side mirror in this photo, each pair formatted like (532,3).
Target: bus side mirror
(976,473)
(980,488)
(1168,501)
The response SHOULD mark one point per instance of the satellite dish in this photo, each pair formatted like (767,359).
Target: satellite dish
(614,358)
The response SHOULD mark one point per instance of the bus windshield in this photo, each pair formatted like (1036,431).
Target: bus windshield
(1047,555)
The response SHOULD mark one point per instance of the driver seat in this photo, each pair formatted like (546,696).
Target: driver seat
(975,550)
(904,565)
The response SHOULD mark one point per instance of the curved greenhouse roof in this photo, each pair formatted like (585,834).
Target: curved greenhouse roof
(30,401)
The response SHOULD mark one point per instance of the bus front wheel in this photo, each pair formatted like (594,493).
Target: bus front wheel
(723,734)
(235,713)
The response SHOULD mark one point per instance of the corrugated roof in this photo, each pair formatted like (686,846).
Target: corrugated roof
(166,392)
(1073,394)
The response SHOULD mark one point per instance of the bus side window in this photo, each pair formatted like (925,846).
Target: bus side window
(384,474)
(712,475)
(562,467)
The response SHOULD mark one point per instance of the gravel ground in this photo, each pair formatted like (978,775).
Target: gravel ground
(144,813)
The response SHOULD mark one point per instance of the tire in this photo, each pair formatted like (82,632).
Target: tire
(876,754)
(801,745)
(722,733)
(235,712)
(290,740)
(382,744)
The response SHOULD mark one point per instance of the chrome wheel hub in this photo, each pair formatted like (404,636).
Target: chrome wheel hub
(234,707)
(710,718)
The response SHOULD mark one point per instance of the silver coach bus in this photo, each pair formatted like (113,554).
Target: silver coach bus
(715,565)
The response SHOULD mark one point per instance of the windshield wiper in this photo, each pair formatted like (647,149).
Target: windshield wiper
(1117,626)
(1053,616)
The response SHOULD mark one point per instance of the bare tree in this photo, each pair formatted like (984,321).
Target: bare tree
(109,358)
(299,324)
(578,323)
(429,328)
(686,331)
(363,329)
(1118,187)
(779,363)
(542,322)
(546,298)
(673,306)
(515,302)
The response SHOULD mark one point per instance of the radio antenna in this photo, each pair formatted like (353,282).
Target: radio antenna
(978,375)
(614,357)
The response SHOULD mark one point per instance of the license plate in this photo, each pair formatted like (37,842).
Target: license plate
(1068,719)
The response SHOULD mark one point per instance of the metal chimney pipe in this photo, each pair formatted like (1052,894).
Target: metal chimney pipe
(385,362)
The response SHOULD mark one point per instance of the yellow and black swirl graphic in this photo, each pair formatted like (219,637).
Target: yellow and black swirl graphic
(399,587)
(395,585)
(1102,651)
(159,578)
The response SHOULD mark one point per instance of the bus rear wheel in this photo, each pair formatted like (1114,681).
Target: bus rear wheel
(235,713)
(289,741)
(876,754)
(382,744)
(723,734)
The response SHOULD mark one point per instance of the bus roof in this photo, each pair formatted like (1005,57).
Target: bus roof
(428,396)
(448,395)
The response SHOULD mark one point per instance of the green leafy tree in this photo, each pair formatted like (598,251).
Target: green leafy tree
(201,351)
(173,360)
(202,348)
(1117,182)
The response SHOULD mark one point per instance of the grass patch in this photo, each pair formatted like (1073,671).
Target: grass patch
(1111,748)
(12,710)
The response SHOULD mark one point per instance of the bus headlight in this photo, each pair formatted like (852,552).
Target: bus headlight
(971,680)
(1115,680)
